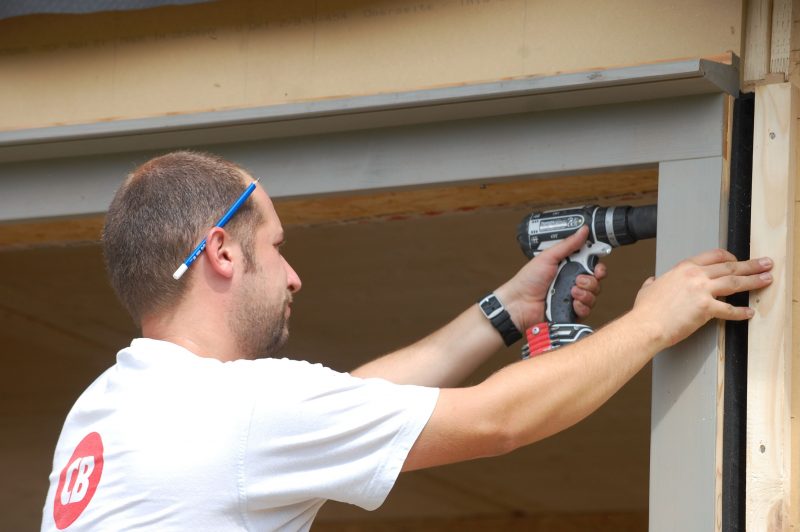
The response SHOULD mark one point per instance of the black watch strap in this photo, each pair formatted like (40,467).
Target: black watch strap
(499,317)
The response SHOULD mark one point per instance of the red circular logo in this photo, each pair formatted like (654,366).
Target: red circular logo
(78,480)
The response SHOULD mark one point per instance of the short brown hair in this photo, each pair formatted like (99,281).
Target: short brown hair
(159,215)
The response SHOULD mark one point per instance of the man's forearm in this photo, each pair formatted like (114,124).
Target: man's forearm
(441,359)
(549,393)
(532,399)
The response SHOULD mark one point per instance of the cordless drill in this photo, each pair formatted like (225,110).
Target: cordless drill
(609,227)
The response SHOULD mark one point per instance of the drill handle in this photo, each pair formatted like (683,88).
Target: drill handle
(561,327)
(560,307)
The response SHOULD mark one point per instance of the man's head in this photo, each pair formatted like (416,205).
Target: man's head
(162,211)
(159,214)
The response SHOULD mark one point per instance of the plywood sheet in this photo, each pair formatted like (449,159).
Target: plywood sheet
(243,53)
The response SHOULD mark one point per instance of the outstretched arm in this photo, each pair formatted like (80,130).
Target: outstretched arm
(535,398)
(450,354)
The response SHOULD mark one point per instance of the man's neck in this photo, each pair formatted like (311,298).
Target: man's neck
(204,339)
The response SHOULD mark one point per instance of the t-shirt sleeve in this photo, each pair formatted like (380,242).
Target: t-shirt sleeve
(318,434)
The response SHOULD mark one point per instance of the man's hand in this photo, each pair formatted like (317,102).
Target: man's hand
(684,298)
(450,354)
(525,294)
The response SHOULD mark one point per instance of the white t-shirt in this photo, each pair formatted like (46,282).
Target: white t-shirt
(167,440)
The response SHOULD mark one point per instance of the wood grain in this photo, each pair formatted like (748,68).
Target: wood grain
(757,40)
(770,446)
(635,185)
(780,36)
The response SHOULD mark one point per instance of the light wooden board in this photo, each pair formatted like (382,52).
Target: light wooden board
(603,187)
(771,447)
(757,40)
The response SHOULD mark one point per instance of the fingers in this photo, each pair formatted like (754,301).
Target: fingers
(730,277)
(731,284)
(713,256)
(588,282)
(748,267)
(583,301)
(566,247)
(585,292)
(600,271)
(580,309)
(726,311)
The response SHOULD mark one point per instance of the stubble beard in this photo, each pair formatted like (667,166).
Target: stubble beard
(260,326)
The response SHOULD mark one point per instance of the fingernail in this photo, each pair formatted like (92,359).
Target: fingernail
(766,276)
(750,312)
(765,262)
(583,282)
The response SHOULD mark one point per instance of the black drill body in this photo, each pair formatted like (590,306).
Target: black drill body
(609,227)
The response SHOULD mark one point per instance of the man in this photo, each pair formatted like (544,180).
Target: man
(194,428)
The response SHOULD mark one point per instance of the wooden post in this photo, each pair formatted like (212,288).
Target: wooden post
(772,449)
(757,40)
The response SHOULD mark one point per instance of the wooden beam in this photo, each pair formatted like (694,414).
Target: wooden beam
(781,37)
(758,26)
(772,445)
(52,232)
(769,41)
(606,187)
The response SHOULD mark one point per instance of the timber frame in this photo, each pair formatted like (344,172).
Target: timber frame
(672,116)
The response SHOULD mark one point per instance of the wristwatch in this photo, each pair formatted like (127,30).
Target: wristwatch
(500,319)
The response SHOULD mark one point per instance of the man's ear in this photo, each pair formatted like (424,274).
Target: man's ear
(218,252)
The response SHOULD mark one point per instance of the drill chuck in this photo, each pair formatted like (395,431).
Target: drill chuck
(620,226)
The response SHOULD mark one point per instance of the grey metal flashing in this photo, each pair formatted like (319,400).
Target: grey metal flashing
(597,87)
(498,147)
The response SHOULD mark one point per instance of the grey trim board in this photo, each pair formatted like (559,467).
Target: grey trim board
(581,89)
(684,423)
(508,146)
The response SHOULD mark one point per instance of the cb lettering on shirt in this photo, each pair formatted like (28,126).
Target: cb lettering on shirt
(78,480)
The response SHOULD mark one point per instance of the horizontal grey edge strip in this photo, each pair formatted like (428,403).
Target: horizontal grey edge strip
(18,8)
(725,77)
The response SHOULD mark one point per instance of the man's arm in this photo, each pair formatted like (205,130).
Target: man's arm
(533,399)
(452,353)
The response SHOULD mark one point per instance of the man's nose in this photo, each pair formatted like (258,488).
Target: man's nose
(292,279)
